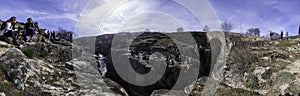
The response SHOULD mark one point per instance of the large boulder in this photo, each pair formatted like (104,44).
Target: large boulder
(36,77)
(52,53)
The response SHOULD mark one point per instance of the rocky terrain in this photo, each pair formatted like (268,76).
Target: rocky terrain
(44,68)
(254,66)
(257,66)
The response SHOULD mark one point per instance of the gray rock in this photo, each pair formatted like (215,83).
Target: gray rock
(91,81)
(36,77)
(5,44)
(165,92)
(49,52)
(2,94)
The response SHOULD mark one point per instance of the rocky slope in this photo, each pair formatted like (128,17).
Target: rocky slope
(48,69)
(140,50)
(257,66)
(254,66)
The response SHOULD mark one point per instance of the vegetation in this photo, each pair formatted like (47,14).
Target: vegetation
(7,87)
(285,77)
(241,58)
(4,46)
(236,92)
(284,44)
(225,90)
(29,52)
(253,31)
(180,29)
(226,26)
(206,28)
(251,81)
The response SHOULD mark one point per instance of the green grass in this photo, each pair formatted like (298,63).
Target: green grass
(164,42)
(235,92)
(285,76)
(29,52)
(3,46)
(7,87)
(284,44)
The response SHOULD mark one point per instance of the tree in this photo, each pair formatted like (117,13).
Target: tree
(253,31)
(206,28)
(257,32)
(250,31)
(147,30)
(226,26)
(180,29)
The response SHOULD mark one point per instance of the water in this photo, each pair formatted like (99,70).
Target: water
(102,65)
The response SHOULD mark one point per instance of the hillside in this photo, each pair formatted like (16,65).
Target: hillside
(254,66)
(258,66)
(44,68)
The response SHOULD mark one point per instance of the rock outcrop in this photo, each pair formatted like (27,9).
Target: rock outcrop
(48,69)
(254,65)
(257,66)
(141,53)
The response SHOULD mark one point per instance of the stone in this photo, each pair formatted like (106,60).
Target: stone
(2,94)
(38,77)
(164,92)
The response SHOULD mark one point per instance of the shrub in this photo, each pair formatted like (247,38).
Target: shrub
(29,52)
(241,58)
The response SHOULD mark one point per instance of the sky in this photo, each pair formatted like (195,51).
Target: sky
(94,17)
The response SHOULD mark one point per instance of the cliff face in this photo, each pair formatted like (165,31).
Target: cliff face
(254,66)
(139,56)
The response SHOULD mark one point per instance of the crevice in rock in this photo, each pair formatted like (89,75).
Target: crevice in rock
(147,44)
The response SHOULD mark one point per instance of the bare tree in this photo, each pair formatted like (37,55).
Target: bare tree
(180,29)
(206,28)
(257,32)
(250,31)
(253,31)
(226,26)
(147,30)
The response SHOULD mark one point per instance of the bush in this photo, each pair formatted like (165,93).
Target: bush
(4,46)
(241,58)
(29,52)
(251,81)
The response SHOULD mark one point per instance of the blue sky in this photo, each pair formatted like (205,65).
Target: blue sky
(50,14)
(90,17)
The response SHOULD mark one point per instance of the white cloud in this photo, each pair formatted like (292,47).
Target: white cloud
(108,16)
(153,21)
(34,12)
(70,16)
(92,16)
